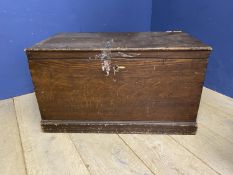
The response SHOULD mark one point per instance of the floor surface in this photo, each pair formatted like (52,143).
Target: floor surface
(26,150)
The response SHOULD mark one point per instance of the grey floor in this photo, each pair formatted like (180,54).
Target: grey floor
(25,149)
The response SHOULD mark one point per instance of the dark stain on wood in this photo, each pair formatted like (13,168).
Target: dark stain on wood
(123,127)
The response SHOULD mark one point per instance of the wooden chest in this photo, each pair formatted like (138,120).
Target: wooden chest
(148,82)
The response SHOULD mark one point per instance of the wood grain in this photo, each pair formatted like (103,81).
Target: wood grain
(216,113)
(208,152)
(211,148)
(217,121)
(219,101)
(106,154)
(161,81)
(11,153)
(119,127)
(45,154)
(69,54)
(121,41)
(161,90)
(164,156)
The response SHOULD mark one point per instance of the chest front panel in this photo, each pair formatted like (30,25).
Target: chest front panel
(146,89)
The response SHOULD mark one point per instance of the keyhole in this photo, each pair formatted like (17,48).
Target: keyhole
(115,69)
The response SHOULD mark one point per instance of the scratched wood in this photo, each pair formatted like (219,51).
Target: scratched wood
(160,80)
(45,153)
(213,141)
(106,154)
(208,152)
(211,148)
(154,89)
(156,54)
(121,41)
(11,153)
(165,156)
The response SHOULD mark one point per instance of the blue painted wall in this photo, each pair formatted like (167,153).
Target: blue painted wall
(208,20)
(25,22)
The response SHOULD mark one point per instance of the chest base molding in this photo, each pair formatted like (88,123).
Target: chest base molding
(125,127)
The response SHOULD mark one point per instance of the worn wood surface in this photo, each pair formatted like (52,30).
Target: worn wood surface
(217,114)
(164,156)
(210,148)
(160,81)
(211,119)
(45,154)
(208,152)
(11,153)
(214,135)
(106,154)
(69,54)
(119,127)
(121,41)
(150,90)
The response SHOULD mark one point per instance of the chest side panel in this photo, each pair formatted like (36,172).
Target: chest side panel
(145,90)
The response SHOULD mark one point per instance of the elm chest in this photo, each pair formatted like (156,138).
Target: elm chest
(148,82)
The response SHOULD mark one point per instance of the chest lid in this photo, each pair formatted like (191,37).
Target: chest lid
(118,42)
